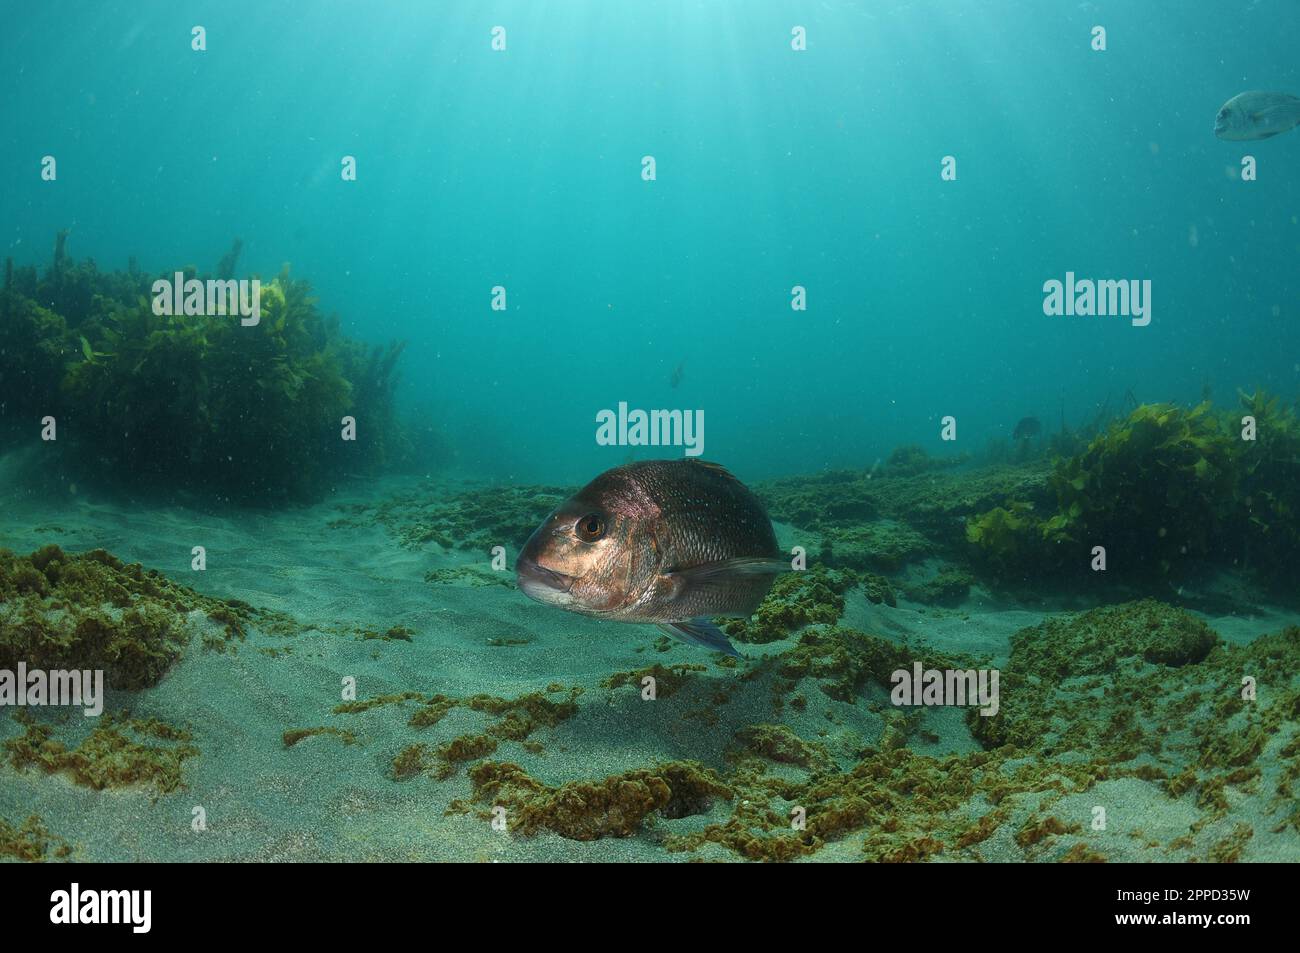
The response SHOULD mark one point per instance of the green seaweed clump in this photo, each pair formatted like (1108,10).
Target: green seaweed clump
(90,610)
(1270,488)
(1156,489)
(254,412)
(1008,539)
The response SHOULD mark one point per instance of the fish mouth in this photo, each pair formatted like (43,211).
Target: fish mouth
(538,582)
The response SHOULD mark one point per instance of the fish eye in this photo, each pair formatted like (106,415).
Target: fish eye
(590,528)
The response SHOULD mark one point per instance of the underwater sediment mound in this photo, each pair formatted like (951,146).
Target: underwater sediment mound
(472,519)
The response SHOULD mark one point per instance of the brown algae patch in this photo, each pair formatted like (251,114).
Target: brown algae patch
(119,752)
(615,806)
(31,841)
(351,708)
(779,743)
(433,711)
(295,735)
(668,680)
(512,719)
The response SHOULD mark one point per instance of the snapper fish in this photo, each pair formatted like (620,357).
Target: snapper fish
(666,542)
(1257,115)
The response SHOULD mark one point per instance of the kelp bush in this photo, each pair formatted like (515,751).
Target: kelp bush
(253,412)
(1267,532)
(1166,490)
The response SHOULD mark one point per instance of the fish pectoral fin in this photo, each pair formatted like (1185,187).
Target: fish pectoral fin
(729,568)
(716,581)
(700,632)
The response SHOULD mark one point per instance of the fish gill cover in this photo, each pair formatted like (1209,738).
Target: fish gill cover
(890,409)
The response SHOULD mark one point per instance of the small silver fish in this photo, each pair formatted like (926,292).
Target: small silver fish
(1257,115)
(666,542)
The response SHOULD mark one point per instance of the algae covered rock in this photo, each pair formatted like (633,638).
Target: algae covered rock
(474,519)
(948,587)
(1094,643)
(878,590)
(843,660)
(92,611)
(880,546)
(780,744)
(615,806)
(1115,642)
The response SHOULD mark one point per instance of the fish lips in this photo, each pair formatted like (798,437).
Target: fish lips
(542,584)
(1223,129)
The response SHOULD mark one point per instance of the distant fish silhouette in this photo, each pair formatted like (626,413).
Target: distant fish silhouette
(677,375)
(1027,428)
(1257,115)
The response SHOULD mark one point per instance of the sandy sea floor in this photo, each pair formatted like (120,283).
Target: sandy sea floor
(324,798)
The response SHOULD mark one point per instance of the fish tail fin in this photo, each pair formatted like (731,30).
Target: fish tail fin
(701,632)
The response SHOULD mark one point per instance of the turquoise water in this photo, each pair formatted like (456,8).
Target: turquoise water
(775,168)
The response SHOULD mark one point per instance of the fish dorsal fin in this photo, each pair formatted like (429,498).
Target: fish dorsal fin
(717,468)
(700,632)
